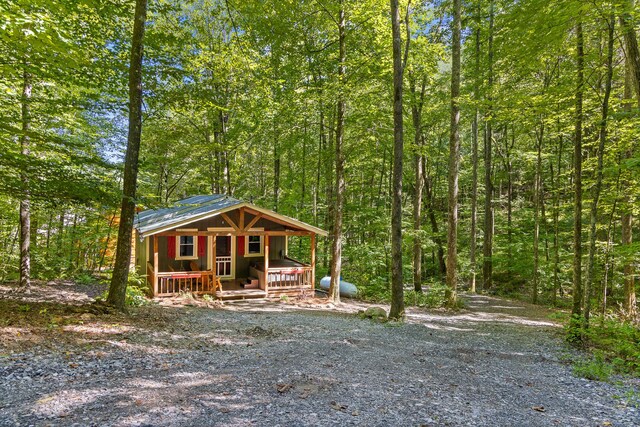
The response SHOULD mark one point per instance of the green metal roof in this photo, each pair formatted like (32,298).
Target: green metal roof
(195,208)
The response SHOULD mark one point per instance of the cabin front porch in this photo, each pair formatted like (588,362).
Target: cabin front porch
(284,276)
(294,278)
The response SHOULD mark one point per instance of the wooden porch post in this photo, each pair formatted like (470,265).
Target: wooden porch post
(214,264)
(155,265)
(313,264)
(266,264)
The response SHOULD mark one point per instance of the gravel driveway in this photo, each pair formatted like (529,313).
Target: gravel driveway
(498,363)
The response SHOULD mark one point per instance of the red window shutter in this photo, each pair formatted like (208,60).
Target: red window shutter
(202,246)
(171,247)
(240,243)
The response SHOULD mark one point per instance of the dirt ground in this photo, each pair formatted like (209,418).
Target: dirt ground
(306,363)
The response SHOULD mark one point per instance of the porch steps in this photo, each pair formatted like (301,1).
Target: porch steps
(241,294)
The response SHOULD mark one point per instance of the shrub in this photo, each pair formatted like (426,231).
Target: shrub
(434,297)
(614,341)
(596,369)
(84,279)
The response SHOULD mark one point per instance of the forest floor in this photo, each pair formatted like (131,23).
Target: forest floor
(179,363)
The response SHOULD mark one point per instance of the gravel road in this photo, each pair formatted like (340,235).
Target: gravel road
(497,363)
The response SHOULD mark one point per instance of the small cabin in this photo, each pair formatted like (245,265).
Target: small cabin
(222,246)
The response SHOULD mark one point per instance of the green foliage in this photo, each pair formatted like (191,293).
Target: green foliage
(137,292)
(596,369)
(433,297)
(614,342)
(84,279)
(136,297)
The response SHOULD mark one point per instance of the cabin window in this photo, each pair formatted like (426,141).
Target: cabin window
(253,246)
(186,246)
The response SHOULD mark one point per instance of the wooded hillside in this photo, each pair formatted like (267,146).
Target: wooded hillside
(290,105)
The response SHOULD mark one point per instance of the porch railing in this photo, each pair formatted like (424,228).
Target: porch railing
(290,277)
(196,282)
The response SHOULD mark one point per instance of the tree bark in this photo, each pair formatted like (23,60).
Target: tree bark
(536,216)
(474,159)
(602,137)
(577,176)
(25,202)
(416,113)
(632,53)
(397,293)
(630,302)
(487,246)
(442,265)
(454,159)
(336,249)
(118,287)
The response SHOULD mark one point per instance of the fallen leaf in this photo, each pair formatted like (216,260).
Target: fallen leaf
(337,406)
(283,388)
(539,408)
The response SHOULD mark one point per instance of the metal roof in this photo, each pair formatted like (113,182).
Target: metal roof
(195,208)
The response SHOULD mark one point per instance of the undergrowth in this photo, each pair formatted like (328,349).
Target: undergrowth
(434,295)
(614,344)
(137,291)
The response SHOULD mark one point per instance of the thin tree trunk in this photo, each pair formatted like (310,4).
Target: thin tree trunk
(536,216)
(397,293)
(577,176)
(487,247)
(416,113)
(556,224)
(442,266)
(336,250)
(454,160)
(630,302)
(25,202)
(602,137)
(118,287)
(474,157)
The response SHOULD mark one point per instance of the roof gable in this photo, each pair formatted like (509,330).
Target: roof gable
(200,207)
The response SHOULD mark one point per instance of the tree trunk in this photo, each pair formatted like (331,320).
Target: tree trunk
(602,137)
(336,250)
(536,216)
(454,159)
(632,53)
(556,222)
(630,302)
(442,266)
(397,294)
(25,203)
(474,161)
(118,287)
(487,247)
(416,113)
(577,177)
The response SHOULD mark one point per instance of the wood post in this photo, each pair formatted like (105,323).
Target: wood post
(313,264)
(214,264)
(266,264)
(155,265)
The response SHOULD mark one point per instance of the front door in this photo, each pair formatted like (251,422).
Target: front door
(225,262)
